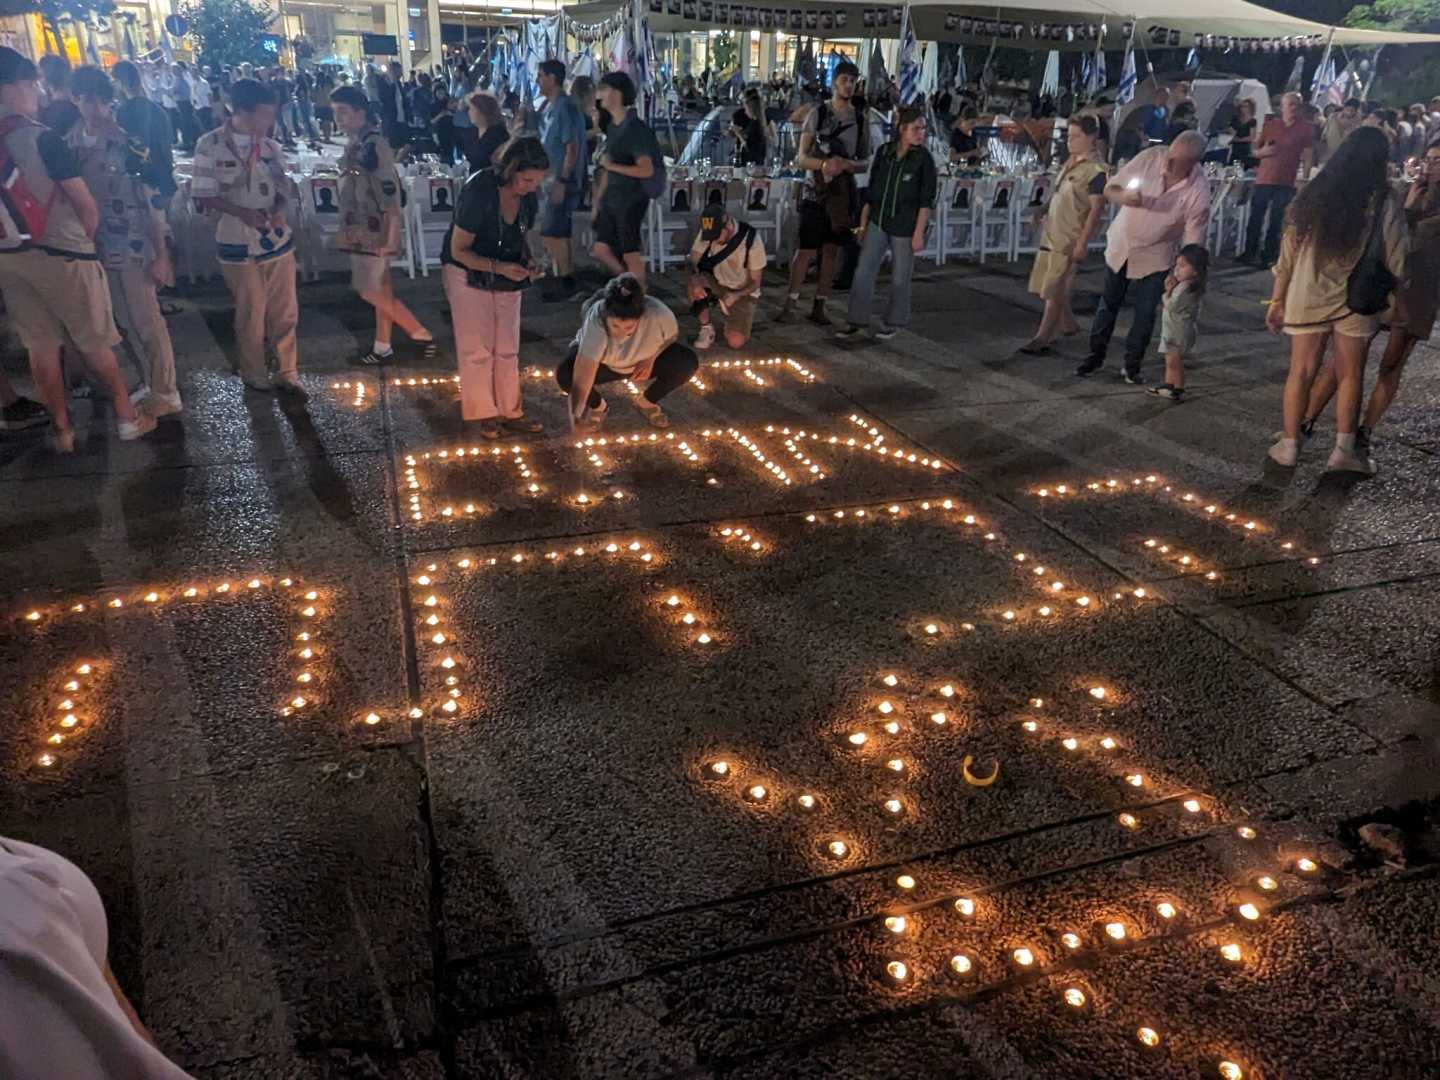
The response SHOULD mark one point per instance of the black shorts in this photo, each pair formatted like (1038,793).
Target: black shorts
(619,229)
(816,230)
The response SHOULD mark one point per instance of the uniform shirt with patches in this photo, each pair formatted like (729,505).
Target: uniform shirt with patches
(369,189)
(228,167)
(126,235)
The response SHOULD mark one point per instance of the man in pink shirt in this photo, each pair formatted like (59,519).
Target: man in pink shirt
(1164,201)
(1283,146)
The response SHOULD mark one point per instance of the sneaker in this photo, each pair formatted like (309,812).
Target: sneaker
(706,337)
(374,359)
(817,313)
(130,430)
(23,414)
(290,384)
(1134,378)
(62,440)
(1283,453)
(1349,461)
(886,331)
(158,405)
(1090,365)
(1165,390)
(261,384)
(786,312)
(850,333)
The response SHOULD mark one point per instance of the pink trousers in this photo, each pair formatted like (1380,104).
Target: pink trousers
(487,348)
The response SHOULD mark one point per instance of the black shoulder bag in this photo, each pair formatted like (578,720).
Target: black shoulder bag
(1371,282)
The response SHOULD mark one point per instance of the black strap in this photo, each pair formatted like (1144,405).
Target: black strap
(745,234)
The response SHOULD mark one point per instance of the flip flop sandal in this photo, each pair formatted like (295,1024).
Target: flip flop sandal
(490,429)
(523,424)
(429,350)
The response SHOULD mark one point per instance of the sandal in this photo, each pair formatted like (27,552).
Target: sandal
(429,350)
(652,413)
(1034,348)
(523,425)
(490,429)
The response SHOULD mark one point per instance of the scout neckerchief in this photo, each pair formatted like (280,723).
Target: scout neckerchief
(253,156)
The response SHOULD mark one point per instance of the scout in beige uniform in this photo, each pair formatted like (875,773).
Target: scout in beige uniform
(239,174)
(1071,216)
(370,230)
(49,274)
(133,240)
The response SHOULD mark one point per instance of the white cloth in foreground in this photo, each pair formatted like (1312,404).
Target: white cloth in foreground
(58,1016)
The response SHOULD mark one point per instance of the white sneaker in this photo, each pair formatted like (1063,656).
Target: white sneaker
(132,429)
(1349,461)
(706,337)
(158,405)
(1285,455)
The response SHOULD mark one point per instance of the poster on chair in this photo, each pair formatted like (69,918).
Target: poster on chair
(325,195)
(757,198)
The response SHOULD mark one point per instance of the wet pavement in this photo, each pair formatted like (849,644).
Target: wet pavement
(401,754)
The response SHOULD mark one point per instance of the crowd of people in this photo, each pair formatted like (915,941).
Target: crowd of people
(94,154)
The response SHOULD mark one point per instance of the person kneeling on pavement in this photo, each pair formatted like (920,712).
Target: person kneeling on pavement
(726,263)
(624,335)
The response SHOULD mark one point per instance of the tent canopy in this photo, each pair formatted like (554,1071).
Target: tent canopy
(1179,21)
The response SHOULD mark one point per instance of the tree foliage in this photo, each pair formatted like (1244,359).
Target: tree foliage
(1417,16)
(229,32)
(725,51)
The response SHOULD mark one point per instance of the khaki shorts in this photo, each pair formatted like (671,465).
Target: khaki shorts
(53,299)
(1352,325)
(367,272)
(741,316)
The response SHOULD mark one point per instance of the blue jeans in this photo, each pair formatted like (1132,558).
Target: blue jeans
(902,265)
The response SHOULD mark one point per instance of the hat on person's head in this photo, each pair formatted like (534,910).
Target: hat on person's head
(712,223)
(16,67)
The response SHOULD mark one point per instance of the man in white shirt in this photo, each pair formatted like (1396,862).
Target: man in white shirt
(726,262)
(1164,202)
(201,96)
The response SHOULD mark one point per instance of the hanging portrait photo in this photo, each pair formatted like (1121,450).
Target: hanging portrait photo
(326,195)
(827,21)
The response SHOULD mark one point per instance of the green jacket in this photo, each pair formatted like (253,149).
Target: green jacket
(900,188)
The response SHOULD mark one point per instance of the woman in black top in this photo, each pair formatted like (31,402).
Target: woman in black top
(965,148)
(490,128)
(1242,146)
(753,134)
(486,265)
(442,121)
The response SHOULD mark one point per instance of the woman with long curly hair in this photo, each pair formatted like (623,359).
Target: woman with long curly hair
(1326,232)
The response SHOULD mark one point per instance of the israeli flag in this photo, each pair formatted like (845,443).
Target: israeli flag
(1126,91)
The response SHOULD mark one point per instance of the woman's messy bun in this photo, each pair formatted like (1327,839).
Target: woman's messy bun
(624,297)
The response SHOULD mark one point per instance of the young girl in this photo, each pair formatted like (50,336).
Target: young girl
(1183,290)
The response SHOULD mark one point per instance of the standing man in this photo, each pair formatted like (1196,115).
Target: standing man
(1155,117)
(562,132)
(1164,201)
(184,107)
(370,225)
(152,140)
(1285,146)
(392,107)
(201,95)
(240,175)
(632,156)
(834,146)
(1339,124)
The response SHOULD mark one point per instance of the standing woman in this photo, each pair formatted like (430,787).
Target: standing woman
(490,132)
(486,265)
(1072,215)
(753,134)
(442,120)
(899,201)
(1242,143)
(1419,300)
(1326,233)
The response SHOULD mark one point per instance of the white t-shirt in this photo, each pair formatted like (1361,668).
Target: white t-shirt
(200,91)
(657,328)
(58,1016)
(734,271)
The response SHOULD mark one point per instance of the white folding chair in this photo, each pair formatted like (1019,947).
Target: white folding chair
(430,210)
(998,216)
(959,218)
(1034,194)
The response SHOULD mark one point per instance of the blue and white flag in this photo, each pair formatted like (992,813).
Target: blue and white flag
(1126,91)
(961,76)
(1192,60)
(1099,77)
(1339,89)
(909,64)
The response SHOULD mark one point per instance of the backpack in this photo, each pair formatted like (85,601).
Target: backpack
(23,217)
